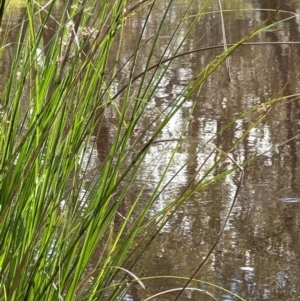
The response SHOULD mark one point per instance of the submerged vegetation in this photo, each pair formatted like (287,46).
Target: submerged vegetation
(64,232)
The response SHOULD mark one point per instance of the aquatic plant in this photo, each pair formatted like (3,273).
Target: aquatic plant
(64,232)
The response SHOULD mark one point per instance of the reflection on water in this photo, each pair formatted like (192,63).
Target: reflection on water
(258,255)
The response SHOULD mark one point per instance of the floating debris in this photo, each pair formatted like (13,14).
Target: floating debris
(290,200)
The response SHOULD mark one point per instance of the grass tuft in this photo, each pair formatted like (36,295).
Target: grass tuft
(63,229)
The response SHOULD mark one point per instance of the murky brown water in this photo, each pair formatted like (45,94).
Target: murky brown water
(258,257)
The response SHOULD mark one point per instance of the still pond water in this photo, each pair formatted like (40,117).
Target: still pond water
(258,256)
